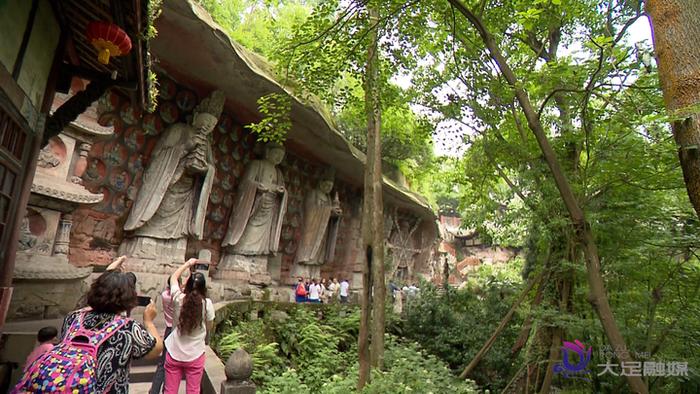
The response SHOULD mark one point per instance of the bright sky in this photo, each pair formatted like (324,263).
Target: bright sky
(446,141)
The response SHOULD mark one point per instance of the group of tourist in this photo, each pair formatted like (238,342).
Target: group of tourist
(98,341)
(323,291)
(399,293)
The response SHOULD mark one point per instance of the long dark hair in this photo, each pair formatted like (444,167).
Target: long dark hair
(191,312)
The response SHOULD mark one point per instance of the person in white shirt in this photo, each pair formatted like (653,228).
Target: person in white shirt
(413,289)
(344,286)
(315,292)
(193,318)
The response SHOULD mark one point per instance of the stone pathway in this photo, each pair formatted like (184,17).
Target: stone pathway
(142,388)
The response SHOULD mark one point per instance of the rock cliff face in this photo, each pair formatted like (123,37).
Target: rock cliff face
(115,168)
(196,57)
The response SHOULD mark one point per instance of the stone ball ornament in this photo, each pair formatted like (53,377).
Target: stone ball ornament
(239,365)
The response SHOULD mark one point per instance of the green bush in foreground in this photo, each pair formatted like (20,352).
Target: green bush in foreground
(308,353)
(408,369)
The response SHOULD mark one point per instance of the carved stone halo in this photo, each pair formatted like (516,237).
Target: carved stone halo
(130,114)
(134,138)
(167,89)
(152,124)
(169,112)
(119,180)
(216,196)
(186,100)
(135,163)
(114,154)
(96,171)
(225,125)
(235,133)
(226,183)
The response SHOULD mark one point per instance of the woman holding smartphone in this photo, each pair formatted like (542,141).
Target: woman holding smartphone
(193,318)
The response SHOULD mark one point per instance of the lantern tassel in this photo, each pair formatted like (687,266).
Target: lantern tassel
(103,56)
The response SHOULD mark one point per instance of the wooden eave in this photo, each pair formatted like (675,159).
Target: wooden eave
(131,16)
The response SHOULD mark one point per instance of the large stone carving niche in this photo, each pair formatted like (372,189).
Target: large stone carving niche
(46,284)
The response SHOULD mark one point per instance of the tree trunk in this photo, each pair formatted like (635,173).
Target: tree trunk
(557,334)
(363,336)
(504,323)
(597,296)
(676,35)
(373,291)
(373,183)
(554,352)
(527,324)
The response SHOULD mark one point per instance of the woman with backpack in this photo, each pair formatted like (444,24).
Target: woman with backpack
(194,314)
(98,342)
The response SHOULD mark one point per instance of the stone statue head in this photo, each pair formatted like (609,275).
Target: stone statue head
(207,113)
(327,179)
(274,153)
(204,122)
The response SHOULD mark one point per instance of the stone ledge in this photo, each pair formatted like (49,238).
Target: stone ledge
(47,268)
(66,191)
(214,372)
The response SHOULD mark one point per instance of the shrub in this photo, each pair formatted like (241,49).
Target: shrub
(313,352)
(408,369)
(454,326)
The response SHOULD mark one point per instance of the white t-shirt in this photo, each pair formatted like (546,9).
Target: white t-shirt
(344,286)
(188,347)
(314,291)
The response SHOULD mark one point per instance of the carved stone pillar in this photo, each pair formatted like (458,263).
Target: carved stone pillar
(81,163)
(60,246)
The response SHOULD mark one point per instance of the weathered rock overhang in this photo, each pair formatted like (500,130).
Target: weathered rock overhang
(192,46)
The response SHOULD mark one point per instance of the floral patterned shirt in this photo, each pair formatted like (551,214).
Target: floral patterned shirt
(132,341)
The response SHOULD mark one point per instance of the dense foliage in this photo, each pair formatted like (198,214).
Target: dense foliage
(315,351)
(454,324)
(276,29)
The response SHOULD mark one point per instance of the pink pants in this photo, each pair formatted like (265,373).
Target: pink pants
(193,371)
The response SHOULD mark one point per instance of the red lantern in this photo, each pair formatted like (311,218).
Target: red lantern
(108,39)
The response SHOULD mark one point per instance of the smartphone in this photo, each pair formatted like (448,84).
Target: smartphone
(201,267)
(144,300)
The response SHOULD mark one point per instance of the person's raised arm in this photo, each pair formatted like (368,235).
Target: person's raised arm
(116,265)
(209,324)
(175,277)
(149,314)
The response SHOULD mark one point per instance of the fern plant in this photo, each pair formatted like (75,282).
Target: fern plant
(228,344)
